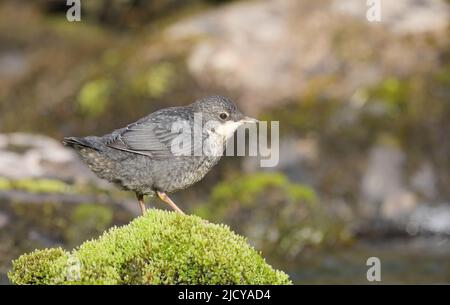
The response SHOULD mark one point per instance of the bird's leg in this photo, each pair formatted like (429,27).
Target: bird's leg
(140,199)
(163,196)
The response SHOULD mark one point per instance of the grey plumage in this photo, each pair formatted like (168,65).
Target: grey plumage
(139,158)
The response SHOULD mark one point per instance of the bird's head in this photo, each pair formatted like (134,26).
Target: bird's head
(223,113)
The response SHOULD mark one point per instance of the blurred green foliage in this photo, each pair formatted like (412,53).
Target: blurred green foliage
(94,96)
(49,186)
(158,248)
(278,216)
(244,190)
(87,220)
(156,81)
(393,93)
(35,185)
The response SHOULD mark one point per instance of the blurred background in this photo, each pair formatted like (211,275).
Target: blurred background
(364,125)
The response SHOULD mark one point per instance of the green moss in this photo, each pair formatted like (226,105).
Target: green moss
(158,248)
(40,267)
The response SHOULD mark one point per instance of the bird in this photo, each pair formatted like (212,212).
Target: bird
(144,157)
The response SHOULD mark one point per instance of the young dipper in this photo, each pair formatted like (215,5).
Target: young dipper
(146,156)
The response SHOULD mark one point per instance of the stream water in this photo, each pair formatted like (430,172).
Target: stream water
(415,261)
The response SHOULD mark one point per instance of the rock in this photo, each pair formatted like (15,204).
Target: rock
(398,205)
(12,64)
(383,176)
(389,200)
(249,44)
(271,51)
(36,156)
(384,191)
(403,16)
(4,219)
(294,156)
(424,181)
(430,219)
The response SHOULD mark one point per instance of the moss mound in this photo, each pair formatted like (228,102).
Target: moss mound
(158,248)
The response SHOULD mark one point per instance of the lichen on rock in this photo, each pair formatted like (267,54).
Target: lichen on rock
(158,248)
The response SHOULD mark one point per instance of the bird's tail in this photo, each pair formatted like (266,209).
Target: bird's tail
(76,142)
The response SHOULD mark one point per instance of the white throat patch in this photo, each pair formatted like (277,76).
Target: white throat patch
(227,129)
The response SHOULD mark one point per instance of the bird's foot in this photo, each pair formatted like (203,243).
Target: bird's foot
(141,202)
(163,196)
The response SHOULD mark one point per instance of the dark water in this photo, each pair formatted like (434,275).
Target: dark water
(415,261)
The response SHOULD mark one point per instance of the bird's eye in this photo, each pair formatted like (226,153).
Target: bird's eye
(223,116)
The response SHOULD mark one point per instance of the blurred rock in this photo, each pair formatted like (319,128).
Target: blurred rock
(384,192)
(250,45)
(430,219)
(398,205)
(424,181)
(4,219)
(383,177)
(294,156)
(12,64)
(271,51)
(403,16)
(36,156)
(388,200)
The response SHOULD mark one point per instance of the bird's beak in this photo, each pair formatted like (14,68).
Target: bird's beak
(248,119)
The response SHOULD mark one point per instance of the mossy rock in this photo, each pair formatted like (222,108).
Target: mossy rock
(158,248)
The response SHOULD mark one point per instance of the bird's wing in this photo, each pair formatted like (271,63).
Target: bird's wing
(152,137)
